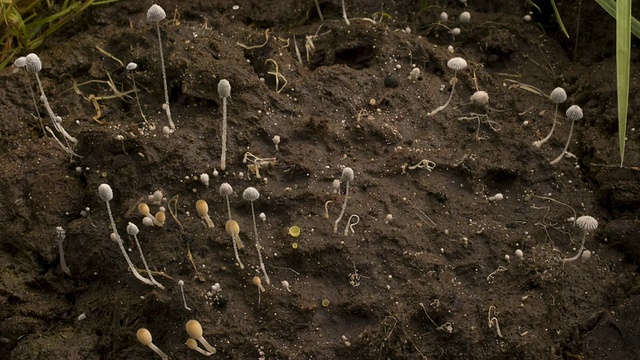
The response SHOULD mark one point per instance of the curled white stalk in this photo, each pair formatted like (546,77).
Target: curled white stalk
(133,230)
(347,175)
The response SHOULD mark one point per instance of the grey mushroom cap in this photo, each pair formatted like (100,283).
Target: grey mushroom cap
(347,174)
(250,194)
(224,88)
(225,189)
(33,63)
(106,194)
(480,98)
(574,112)
(131,66)
(20,62)
(457,63)
(587,223)
(558,95)
(132,229)
(155,13)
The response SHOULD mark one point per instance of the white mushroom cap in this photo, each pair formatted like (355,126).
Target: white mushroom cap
(106,194)
(132,229)
(33,63)
(457,63)
(131,66)
(224,88)
(156,13)
(225,189)
(20,62)
(587,223)
(574,112)
(250,194)
(347,174)
(465,17)
(558,95)
(480,98)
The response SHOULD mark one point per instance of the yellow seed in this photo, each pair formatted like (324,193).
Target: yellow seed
(325,302)
(294,245)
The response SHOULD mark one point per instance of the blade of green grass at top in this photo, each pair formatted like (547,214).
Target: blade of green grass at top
(610,7)
(623,59)
(559,19)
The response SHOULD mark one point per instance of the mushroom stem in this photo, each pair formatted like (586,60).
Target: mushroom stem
(553,126)
(566,146)
(584,237)
(344,208)
(344,14)
(60,235)
(223,156)
(165,106)
(258,246)
(144,261)
(454,81)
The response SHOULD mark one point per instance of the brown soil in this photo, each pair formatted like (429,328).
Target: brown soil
(418,286)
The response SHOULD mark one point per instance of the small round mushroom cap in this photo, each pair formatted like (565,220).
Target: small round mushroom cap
(465,17)
(347,174)
(106,194)
(455,32)
(161,217)
(587,223)
(33,63)
(191,344)
(558,95)
(457,63)
(225,189)
(131,66)
(444,16)
(574,112)
(20,62)
(132,229)
(144,336)
(257,281)
(155,13)
(224,88)
(232,227)
(250,194)
(194,329)
(202,207)
(143,209)
(480,98)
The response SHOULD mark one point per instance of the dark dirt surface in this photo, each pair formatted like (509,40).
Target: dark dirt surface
(422,285)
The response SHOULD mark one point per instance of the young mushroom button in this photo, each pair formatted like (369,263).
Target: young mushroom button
(33,63)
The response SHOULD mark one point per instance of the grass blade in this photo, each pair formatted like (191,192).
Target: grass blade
(623,56)
(559,19)
(610,7)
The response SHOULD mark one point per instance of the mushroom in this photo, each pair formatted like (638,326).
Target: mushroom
(456,64)
(226,190)
(574,112)
(586,223)
(194,329)
(155,14)
(558,96)
(233,229)
(144,210)
(133,230)
(106,194)
(193,345)
(251,194)
(144,336)
(224,91)
(347,175)
(203,210)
